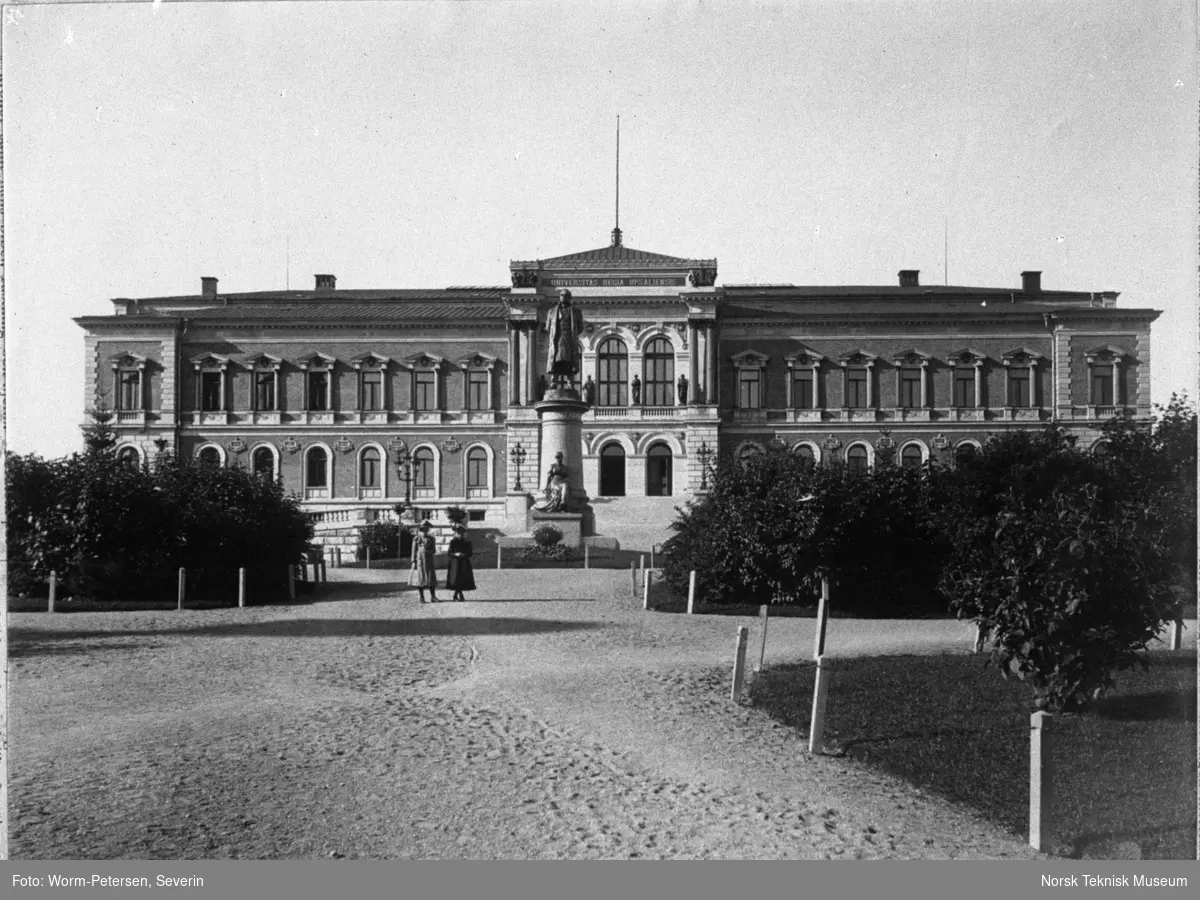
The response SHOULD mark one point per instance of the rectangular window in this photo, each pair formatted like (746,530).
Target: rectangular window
(128,394)
(210,391)
(1018,387)
(803,395)
(426,392)
(910,388)
(614,377)
(964,388)
(477,472)
(264,391)
(372,391)
(318,391)
(1102,387)
(477,391)
(856,388)
(750,389)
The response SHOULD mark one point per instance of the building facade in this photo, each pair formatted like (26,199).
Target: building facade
(330,389)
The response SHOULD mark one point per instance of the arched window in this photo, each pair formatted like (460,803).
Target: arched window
(856,458)
(612,361)
(264,463)
(965,454)
(612,470)
(658,471)
(477,472)
(128,458)
(316,472)
(911,456)
(210,456)
(659,380)
(805,454)
(422,473)
(368,469)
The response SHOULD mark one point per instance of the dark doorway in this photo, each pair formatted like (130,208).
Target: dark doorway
(612,471)
(658,471)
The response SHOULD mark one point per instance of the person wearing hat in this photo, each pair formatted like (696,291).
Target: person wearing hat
(460,576)
(424,574)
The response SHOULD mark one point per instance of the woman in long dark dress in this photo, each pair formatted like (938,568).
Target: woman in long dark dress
(460,576)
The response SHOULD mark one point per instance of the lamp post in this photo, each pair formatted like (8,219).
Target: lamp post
(404,473)
(518,453)
(704,453)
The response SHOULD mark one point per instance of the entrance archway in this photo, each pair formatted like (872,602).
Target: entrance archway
(612,470)
(658,471)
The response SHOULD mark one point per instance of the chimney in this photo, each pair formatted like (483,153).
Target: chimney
(326,284)
(1031,283)
(208,287)
(908,278)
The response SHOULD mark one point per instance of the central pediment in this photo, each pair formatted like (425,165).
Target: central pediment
(613,266)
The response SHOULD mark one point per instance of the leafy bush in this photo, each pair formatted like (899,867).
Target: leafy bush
(114,532)
(382,538)
(1060,562)
(457,515)
(539,553)
(546,535)
(773,526)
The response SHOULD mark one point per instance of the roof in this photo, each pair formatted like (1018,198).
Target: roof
(616,256)
(341,311)
(878,304)
(345,295)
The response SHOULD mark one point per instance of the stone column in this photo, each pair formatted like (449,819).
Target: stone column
(978,384)
(1116,380)
(561,418)
(710,363)
(526,384)
(870,391)
(693,364)
(514,380)
(924,384)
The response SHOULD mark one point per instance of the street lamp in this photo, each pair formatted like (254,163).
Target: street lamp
(704,453)
(518,453)
(404,473)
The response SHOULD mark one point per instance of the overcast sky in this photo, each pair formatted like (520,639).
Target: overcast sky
(427,144)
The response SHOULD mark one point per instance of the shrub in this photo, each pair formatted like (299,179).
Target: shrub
(457,515)
(382,538)
(113,532)
(1059,562)
(546,535)
(538,553)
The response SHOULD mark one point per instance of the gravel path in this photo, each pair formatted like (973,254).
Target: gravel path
(549,717)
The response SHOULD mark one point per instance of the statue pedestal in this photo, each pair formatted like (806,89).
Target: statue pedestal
(561,414)
(569,523)
(516,512)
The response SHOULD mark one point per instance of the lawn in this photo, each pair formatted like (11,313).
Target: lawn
(1126,770)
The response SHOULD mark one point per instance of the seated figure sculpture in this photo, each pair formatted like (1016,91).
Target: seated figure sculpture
(557,491)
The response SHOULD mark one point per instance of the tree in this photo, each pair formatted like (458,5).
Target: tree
(99,436)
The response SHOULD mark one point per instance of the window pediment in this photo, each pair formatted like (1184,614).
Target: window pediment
(263,361)
(211,361)
(804,357)
(424,362)
(857,357)
(1106,354)
(967,356)
(750,359)
(1022,356)
(370,361)
(318,361)
(477,361)
(127,361)
(911,357)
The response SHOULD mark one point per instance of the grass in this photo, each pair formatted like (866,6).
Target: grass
(1125,778)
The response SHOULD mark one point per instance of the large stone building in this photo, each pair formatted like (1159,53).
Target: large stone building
(329,388)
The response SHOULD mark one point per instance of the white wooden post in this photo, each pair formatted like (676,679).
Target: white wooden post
(53,589)
(1176,634)
(816,728)
(646,589)
(739,663)
(241,587)
(822,619)
(586,549)
(368,557)
(182,585)
(632,578)
(499,555)
(291,577)
(978,638)
(762,652)
(1041,778)
(692,592)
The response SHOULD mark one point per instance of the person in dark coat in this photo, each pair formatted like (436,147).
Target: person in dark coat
(424,573)
(460,576)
